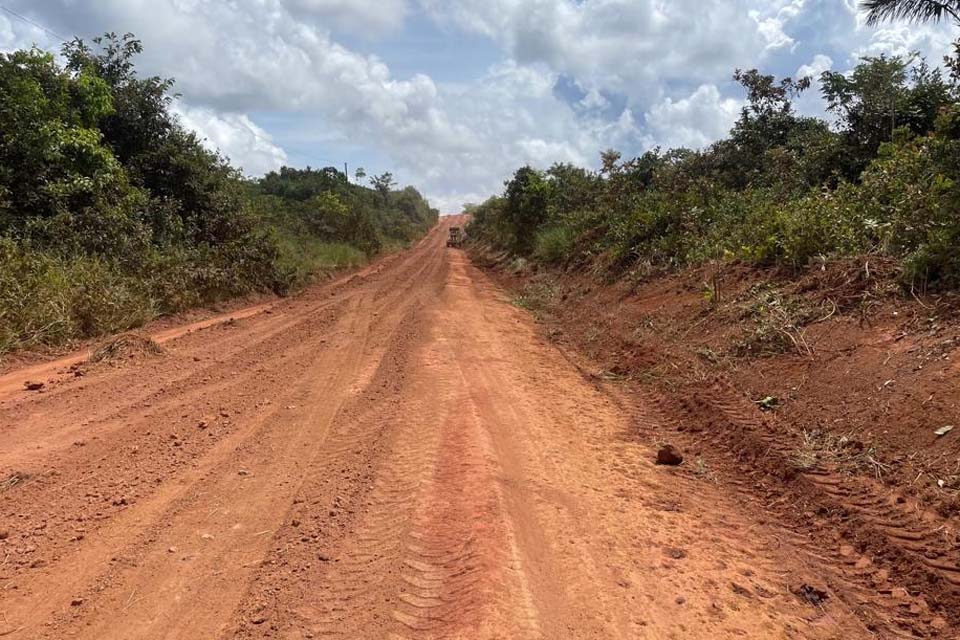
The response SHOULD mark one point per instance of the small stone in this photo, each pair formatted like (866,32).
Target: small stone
(668,455)
(172,550)
(243,472)
(33,386)
(680,600)
(76,602)
(812,593)
(4,534)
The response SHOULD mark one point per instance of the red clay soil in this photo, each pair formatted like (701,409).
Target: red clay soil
(400,454)
(817,398)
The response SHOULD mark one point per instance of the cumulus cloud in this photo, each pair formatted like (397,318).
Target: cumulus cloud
(639,73)
(235,136)
(627,46)
(693,122)
(815,67)
(355,16)
(906,39)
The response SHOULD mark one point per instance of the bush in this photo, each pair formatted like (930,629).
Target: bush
(303,258)
(782,190)
(554,244)
(111,212)
(45,299)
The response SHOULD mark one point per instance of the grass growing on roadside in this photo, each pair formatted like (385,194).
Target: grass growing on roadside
(538,297)
(46,299)
(840,452)
(304,257)
(554,244)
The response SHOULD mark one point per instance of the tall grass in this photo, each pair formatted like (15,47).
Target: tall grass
(45,299)
(303,258)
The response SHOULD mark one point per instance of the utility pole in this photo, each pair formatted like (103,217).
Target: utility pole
(346,174)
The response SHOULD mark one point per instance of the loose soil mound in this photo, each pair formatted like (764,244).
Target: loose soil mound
(125,347)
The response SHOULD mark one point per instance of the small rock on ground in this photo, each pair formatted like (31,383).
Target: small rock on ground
(669,455)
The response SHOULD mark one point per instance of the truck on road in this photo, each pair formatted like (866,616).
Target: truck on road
(456,237)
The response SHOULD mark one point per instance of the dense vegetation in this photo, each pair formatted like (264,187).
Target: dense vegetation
(783,189)
(111,212)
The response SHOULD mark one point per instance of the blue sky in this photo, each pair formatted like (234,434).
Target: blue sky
(453,95)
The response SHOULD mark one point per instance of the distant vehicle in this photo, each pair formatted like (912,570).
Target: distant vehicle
(456,237)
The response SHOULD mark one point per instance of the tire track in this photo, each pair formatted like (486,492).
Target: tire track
(888,550)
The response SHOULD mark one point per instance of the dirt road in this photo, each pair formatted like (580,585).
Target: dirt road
(394,455)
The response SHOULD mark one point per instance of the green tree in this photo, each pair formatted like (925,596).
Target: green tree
(526,200)
(880,95)
(766,122)
(383,184)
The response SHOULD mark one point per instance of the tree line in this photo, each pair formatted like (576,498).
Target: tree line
(782,189)
(112,212)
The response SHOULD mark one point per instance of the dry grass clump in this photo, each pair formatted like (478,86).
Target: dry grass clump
(125,346)
(822,449)
(13,480)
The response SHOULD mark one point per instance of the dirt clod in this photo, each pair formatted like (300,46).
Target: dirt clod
(812,594)
(669,455)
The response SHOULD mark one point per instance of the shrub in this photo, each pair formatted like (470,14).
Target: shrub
(554,244)
(111,212)
(782,190)
(47,299)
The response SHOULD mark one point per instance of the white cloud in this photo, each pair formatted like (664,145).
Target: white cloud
(904,39)
(771,28)
(628,46)
(693,122)
(815,67)
(514,118)
(643,72)
(236,136)
(363,17)
(20,35)
(594,100)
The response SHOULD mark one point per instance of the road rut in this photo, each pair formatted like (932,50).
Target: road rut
(393,455)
